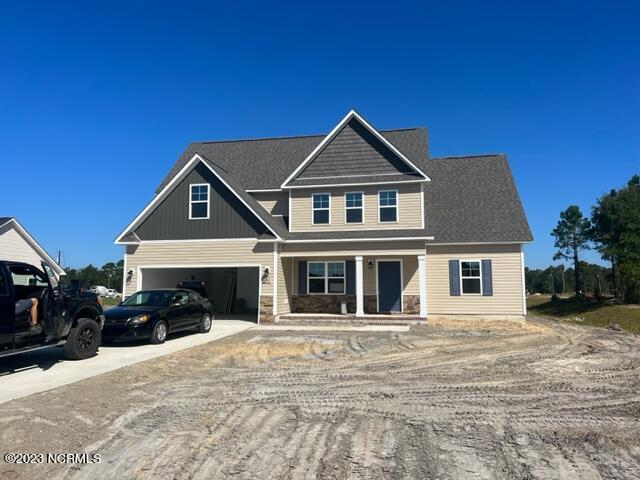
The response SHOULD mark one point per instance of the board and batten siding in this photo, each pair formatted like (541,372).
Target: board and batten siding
(223,253)
(506,262)
(409,208)
(284,285)
(13,246)
(276,203)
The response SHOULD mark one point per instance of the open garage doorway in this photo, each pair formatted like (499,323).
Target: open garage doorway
(234,291)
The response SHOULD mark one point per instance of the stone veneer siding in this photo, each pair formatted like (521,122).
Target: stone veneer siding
(266,309)
(411,304)
(322,303)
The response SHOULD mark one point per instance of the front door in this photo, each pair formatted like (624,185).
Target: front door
(389,286)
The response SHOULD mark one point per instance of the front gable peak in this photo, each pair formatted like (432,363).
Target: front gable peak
(354,151)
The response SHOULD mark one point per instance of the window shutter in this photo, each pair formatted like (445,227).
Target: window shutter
(302,277)
(487,280)
(350,267)
(454,277)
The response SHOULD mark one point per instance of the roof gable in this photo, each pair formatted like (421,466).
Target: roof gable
(354,152)
(254,207)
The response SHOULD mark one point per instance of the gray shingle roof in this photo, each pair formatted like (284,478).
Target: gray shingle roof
(266,163)
(473,199)
(4,220)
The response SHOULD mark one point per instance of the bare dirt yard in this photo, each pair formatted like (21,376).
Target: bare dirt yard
(449,400)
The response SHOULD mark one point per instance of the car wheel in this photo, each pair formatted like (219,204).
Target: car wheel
(83,340)
(159,333)
(205,323)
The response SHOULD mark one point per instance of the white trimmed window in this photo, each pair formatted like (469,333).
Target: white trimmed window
(470,277)
(199,201)
(353,207)
(387,206)
(325,278)
(321,204)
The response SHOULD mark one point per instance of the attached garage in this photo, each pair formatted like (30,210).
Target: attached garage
(233,290)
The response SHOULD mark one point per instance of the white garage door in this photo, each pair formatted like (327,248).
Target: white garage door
(232,290)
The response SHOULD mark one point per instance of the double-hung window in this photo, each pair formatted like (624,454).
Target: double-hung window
(325,278)
(320,211)
(387,206)
(353,207)
(470,277)
(199,201)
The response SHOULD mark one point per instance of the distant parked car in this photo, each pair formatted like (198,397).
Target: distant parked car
(112,293)
(154,314)
(99,290)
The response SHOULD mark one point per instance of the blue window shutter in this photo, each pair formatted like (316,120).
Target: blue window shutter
(350,273)
(302,277)
(487,280)
(454,277)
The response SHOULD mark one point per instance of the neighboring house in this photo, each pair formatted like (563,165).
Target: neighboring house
(16,244)
(358,216)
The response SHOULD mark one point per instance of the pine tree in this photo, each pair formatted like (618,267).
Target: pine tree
(572,234)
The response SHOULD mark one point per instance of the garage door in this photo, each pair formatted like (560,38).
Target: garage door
(233,290)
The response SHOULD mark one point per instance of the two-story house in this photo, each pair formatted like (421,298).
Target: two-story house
(361,217)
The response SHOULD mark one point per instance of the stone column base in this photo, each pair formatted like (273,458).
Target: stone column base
(411,304)
(266,309)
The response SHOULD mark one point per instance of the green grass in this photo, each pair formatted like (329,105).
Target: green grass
(587,311)
(111,301)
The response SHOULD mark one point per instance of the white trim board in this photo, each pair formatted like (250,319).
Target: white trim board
(347,118)
(169,187)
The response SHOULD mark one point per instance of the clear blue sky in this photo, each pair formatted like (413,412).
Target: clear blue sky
(98,99)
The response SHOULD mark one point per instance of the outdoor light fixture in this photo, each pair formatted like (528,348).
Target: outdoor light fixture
(265,275)
(370,264)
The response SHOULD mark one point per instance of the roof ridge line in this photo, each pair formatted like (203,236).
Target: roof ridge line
(286,137)
(469,156)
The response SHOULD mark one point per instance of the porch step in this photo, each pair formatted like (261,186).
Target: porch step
(351,319)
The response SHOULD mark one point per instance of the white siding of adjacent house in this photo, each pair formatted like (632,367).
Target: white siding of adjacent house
(13,246)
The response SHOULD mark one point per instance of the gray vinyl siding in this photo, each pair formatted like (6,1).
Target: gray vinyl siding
(354,151)
(228,216)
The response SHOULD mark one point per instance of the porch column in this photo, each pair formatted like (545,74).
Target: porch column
(423,286)
(359,288)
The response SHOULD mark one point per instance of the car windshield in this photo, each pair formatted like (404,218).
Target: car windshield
(150,298)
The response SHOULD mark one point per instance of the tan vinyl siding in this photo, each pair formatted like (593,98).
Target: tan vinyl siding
(409,208)
(507,298)
(394,248)
(206,253)
(13,246)
(276,203)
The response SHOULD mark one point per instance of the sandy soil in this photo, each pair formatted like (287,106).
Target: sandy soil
(448,400)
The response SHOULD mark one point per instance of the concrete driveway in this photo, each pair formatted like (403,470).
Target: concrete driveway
(35,372)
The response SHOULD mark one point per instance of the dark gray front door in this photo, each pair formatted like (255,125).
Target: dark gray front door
(389,286)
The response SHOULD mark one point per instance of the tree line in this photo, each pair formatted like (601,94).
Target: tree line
(108,275)
(613,230)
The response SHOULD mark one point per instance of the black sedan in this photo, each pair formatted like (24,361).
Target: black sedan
(154,314)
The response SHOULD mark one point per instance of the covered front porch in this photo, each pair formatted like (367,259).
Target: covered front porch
(377,283)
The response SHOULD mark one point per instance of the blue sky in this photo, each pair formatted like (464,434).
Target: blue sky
(98,99)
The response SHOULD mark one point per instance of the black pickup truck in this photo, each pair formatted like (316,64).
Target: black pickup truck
(71,319)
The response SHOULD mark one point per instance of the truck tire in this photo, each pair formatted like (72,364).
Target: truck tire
(159,333)
(83,340)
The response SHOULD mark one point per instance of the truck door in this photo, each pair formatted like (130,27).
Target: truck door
(7,307)
(55,315)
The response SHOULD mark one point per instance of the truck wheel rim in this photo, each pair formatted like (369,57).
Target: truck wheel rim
(86,338)
(161,332)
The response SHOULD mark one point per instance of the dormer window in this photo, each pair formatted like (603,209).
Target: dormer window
(353,207)
(199,201)
(321,205)
(387,206)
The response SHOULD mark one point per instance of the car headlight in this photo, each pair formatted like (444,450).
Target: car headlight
(139,319)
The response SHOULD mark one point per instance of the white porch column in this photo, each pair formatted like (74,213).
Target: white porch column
(423,286)
(359,288)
